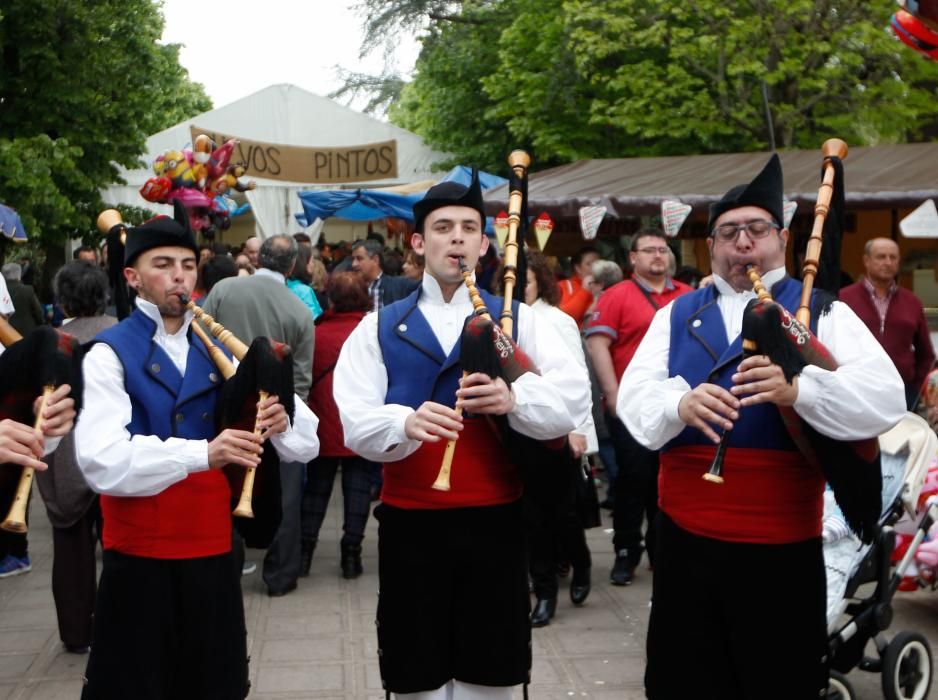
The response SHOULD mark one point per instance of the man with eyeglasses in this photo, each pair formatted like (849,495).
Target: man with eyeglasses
(727,553)
(616,327)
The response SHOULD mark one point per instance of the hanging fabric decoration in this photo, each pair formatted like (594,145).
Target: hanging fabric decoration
(590,219)
(543,226)
(673,216)
(789,207)
(501,228)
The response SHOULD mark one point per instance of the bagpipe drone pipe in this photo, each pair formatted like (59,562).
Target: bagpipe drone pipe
(30,367)
(851,468)
(489,348)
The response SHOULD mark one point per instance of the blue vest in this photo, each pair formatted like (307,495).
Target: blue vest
(164,403)
(427,374)
(699,353)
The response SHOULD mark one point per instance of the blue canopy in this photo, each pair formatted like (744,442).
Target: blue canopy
(365,205)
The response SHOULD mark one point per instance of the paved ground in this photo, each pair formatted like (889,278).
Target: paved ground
(319,642)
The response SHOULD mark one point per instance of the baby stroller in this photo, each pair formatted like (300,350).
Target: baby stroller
(905,661)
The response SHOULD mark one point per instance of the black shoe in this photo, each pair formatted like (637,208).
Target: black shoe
(580,586)
(351,560)
(621,574)
(77,648)
(306,557)
(543,612)
(280,592)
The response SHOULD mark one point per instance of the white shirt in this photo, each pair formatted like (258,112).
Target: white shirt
(118,464)
(6,303)
(863,398)
(547,406)
(570,332)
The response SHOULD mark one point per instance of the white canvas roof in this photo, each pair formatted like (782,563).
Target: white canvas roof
(289,115)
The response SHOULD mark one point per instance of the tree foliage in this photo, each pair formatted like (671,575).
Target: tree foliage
(81,87)
(573,79)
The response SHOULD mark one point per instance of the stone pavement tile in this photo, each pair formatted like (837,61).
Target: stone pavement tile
(6,690)
(33,597)
(612,670)
(610,641)
(300,650)
(311,624)
(54,690)
(63,665)
(361,647)
(299,678)
(548,672)
(32,618)
(372,676)
(14,666)
(24,640)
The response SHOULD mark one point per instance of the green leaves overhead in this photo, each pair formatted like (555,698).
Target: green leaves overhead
(573,79)
(81,87)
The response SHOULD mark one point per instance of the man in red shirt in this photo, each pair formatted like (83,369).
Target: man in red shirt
(894,315)
(575,299)
(613,333)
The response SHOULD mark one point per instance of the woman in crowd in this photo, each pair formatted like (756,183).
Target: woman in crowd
(300,279)
(413,265)
(81,288)
(350,301)
(550,497)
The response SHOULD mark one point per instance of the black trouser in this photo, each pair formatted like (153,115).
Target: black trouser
(74,576)
(282,561)
(552,525)
(636,493)
(453,597)
(356,494)
(168,629)
(11,543)
(736,621)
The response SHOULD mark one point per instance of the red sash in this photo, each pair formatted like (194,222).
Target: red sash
(482,474)
(769,496)
(191,518)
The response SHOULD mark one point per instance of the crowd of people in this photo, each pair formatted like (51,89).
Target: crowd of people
(632,369)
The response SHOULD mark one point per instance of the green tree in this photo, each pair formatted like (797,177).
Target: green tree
(81,87)
(574,79)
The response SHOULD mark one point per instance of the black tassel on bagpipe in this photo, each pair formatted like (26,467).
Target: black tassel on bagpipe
(267,366)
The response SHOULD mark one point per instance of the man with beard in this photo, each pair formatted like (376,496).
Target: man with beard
(724,550)
(614,331)
(169,619)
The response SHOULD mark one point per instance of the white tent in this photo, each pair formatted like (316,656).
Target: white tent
(283,114)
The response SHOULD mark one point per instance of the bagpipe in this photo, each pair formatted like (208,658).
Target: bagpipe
(30,367)
(851,468)
(488,347)
(265,368)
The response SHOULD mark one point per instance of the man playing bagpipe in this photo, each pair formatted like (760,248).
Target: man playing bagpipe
(169,618)
(453,605)
(739,576)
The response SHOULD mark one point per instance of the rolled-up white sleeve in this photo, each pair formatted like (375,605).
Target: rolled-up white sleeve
(373,429)
(648,399)
(112,461)
(864,397)
(553,403)
(300,441)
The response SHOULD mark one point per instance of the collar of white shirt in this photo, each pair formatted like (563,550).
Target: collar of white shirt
(264,272)
(432,294)
(151,311)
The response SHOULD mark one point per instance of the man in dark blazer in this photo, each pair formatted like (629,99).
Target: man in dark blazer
(384,289)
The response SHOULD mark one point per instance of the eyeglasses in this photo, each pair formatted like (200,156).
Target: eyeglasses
(757,228)
(663,250)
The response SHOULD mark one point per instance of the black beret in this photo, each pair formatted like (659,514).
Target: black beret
(765,191)
(160,232)
(447,194)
